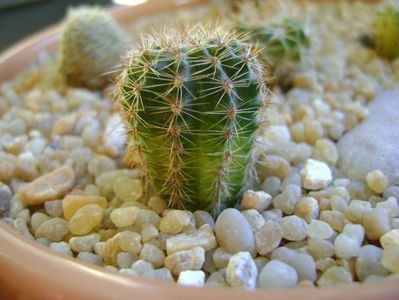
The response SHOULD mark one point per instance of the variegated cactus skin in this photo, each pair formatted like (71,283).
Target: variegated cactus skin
(279,41)
(387,32)
(191,103)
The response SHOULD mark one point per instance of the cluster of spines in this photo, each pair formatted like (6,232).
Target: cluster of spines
(387,32)
(191,101)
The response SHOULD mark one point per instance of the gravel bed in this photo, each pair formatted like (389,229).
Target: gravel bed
(64,181)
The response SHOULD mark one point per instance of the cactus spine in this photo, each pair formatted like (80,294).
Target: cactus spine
(387,32)
(191,102)
(91,46)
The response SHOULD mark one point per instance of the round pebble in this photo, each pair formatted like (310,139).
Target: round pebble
(276,274)
(86,218)
(233,232)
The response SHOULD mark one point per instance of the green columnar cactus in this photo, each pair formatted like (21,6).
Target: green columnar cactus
(192,102)
(387,32)
(91,46)
(285,40)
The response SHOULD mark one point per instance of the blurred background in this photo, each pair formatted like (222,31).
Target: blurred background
(20,18)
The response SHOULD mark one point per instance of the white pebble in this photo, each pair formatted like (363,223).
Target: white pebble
(255,200)
(192,278)
(241,271)
(319,229)
(294,228)
(316,175)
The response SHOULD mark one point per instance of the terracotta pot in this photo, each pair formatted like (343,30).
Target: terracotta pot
(29,270)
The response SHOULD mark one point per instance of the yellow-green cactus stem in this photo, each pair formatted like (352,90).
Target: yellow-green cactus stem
(192,102)
(387,32)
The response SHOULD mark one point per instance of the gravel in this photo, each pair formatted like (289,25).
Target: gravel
(66,183)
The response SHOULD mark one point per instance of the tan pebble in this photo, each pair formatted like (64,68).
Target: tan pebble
(192,259)
(51,186)
(84,243)
(390,239)
(203,217)
(124,216)
(146,216)
(54,208)
(268,237)
(110,251)
(7,167)
(319,248)
(273,165)
(313,131)
(148,232)
(203,237)
(377,181)
(128,189)
(298,132)
(390,259)
(27,167)
(334,276)
(157,204)
(174,222)
(130,241)
(254,218)
(86,218)
(38,219)
(72,203)
(325,150)
(356,210)
(221,257)
(335,219)
(255,200)
(307,208)
(64,125)
(376,221)
(152,254)
(54,229)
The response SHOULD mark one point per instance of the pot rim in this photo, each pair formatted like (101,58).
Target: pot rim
(15,249)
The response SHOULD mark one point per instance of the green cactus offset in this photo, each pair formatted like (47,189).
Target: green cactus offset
(387,32)
(192,101)
(285,40)
(92,44)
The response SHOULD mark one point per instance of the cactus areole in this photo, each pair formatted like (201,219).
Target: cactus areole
(192,102)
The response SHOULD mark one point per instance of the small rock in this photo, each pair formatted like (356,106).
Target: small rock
(302,262)
(376,221)
(203,217)
(268,237)
(254,218)
(157,204)
(377,181)
(233,232)
(90,258)
(325,150)
(72,203)
(51,186)
(54,208)
(287,200)
(5,198)
(368,262)
(192,259)
(124,216)
(62,247)
(390,239)
(390,259)
(54,229)
(319,229)
(294,228)
(241,271)
(334,276)
(84,243)
(271,185)
(86,218)
(191,278)
(348,243)
(276,274)
(152,254)
(221,257)
(316,175)
(203,237)
(159,274)
(27,167)
(142,267)
(174,222)
(307,208)
(115,136)
(320,248)
(130,241)
(128,189)
(255,200)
